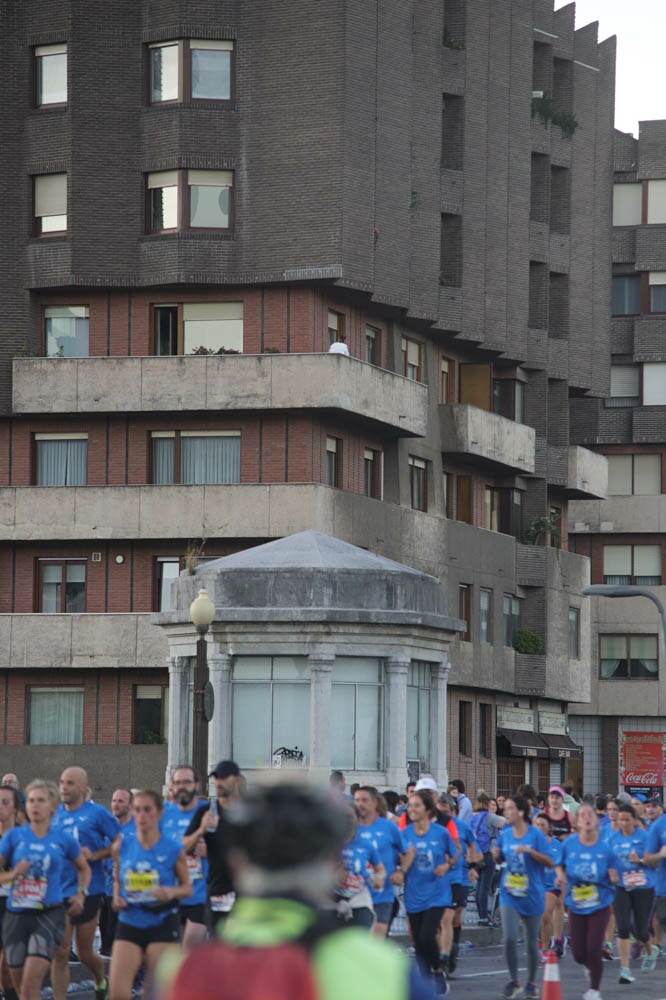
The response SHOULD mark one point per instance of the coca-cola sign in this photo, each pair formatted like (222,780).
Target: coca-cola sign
(642,759)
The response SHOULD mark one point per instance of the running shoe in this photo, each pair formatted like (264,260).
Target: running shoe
(607,951)
(531,992)
(102,991)
(592,995)
(511,990)
(649,961)
(453,959)
(626,976)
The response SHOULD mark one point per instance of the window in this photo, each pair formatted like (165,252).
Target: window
(626,564)
(465,728)
(372,345)
(626,298)
(187,70)
(485,729)
(62,587)
(412,359)
(151,713)
(189,199)
(464,607)
(511,619)
(508,396)
(198,328)
(51,68)
(657,291)
(503,510)
(166,571)
(66,331)
(447,488)
(574,633)
(445,395)
(195,457)
(55,716)
(464,499)
(634,475)
(418,483)
(491,506)
(61,459)
(625,386)
(418,713)
(485,615)
(475,385)
(357,738)
(336,326)
(333,461)
(275,689)
(628,657)
(654,384)
(50,201)
(555,527)
(656,202)
(372,473)
(627,204)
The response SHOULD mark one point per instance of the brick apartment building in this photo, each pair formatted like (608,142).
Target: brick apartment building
(624,535)
(182,179)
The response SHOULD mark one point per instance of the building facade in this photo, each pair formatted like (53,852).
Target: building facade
(196,205)
(624,535)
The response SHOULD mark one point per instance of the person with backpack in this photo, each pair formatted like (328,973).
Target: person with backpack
(285,840)
(485,827)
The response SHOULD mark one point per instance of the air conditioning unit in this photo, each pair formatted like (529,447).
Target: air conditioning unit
(97,557)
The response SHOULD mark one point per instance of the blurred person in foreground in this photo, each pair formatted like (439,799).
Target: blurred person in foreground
(284,850)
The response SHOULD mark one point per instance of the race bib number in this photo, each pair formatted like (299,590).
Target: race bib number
(223,903)
(585,896)
(194,867)
(29,893)
(516,885)
(634,880)
(140,886)
(350,885)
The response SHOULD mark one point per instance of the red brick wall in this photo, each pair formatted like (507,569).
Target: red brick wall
(475,771)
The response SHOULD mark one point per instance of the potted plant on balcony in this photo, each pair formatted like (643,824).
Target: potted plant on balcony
(528,642)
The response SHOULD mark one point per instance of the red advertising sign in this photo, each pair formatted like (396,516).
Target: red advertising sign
(642,759)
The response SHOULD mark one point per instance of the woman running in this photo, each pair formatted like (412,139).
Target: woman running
(526,852)
(34,924)
(11,815)
(428,856)
(552,922)
(557,814)
(634,894)
(361,871)
(586,872)
(150,879)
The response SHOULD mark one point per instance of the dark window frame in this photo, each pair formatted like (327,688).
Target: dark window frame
(418,469)
(628,636)
(574,636)
(465,728)
(39,584)
(49,105)
(634,580)
(465,610)
(185,74)
(485,730)
(183,210)
(176,436)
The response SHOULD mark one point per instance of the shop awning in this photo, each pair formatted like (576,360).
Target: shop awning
(515,743)
(560,746)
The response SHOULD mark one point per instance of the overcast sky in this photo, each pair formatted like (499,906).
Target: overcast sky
(640,26)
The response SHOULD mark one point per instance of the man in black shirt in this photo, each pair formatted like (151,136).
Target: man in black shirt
(210,825)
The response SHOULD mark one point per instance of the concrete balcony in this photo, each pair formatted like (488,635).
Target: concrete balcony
(498,443)
(325,382)
(588,473)
(619,515)
(97,641)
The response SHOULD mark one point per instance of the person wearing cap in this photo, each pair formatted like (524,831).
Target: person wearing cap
(209,823)
(557,814)
(653,810)
(426,784)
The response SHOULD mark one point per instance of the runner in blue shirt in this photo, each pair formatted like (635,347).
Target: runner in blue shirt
(634,894)
(360,872)
(121,809)
(176,818)
(587,871)
(522,894)
(468,852)
(552,922)
(34,924)
(427,858)
(150,880)
(385,835)
(96,830)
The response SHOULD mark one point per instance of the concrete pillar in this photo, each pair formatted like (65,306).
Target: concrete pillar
(219,728)
(396,721)
(438,722)
(179,750)
(321,678)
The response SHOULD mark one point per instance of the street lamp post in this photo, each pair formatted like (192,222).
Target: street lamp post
(202,613)
(628,590)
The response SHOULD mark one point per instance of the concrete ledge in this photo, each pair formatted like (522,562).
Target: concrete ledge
(499,442)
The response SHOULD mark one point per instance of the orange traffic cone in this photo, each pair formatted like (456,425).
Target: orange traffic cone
(552,988)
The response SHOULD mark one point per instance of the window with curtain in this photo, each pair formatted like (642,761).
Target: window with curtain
(412,359)
(191,69)
(485,615)
(628,657)
(634,475)
(66,331)
(418,482)
(55,716)
(51,66)
(419,683)
(270,708)
(625,387)
(210,198)
(60,460)
(511,618)
(626,295)
(195,458)
(574,633)
(654,384)
(213,326)
(637,564)
(357,712)
(62,587)
(50,204)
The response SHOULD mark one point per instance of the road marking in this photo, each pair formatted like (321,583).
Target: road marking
(495,972)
